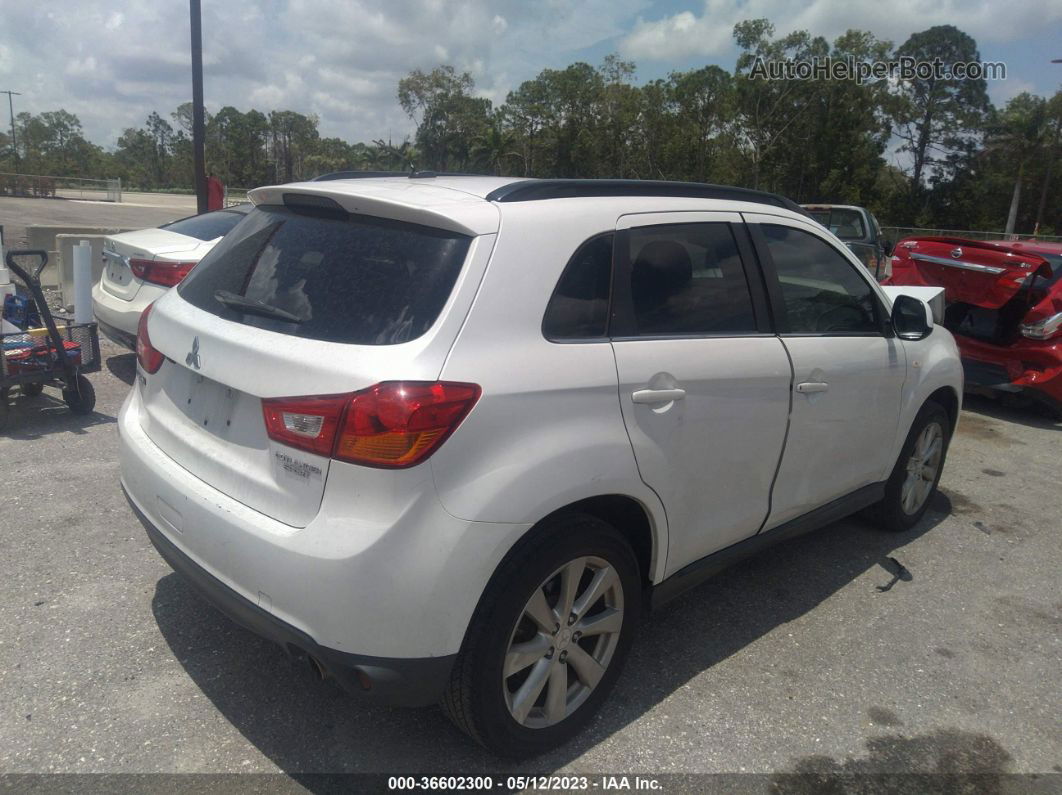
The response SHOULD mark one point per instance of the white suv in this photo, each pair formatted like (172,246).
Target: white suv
(446,436)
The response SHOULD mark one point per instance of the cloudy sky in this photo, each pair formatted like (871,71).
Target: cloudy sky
(112,62)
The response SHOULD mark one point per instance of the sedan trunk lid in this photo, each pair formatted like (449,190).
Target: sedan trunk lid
(147,244)
(977,273)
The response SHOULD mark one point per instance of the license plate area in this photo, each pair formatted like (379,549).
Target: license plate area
(118,271)
(208,403)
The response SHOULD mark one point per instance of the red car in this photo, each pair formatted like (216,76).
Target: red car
(1003,304)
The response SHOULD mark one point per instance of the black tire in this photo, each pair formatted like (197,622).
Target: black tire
(31,390)
(82,397)
(890,512)
(3,409)
(475,699)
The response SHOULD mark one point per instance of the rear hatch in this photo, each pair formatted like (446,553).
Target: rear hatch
(294,302)
(145,244)
(974,273)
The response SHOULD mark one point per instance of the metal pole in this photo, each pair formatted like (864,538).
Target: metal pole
(198,121)
(11,109)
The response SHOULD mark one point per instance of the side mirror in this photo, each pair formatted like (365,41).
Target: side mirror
(911,318)
(887,247)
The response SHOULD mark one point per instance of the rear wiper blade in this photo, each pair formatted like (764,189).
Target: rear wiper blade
(254,307)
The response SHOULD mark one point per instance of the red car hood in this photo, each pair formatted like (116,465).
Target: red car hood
(985,274)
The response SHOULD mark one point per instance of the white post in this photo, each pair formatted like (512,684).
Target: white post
(6,287)
(83,282)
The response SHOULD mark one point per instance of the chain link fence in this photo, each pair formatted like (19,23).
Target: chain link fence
(895,233)
(38,186)
(60,187)
(234,196)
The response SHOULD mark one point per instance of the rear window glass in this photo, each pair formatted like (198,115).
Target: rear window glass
(846,224)
(358,280)
(208,226)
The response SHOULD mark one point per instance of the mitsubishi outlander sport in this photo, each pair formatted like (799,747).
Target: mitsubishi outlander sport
(447,436)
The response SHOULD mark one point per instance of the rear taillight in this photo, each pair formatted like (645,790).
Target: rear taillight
(1044,329)
(163,272)
(149,358)
(308,423)
(395,424)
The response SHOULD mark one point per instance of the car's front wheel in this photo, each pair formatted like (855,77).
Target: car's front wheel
(548,639)
(915,476)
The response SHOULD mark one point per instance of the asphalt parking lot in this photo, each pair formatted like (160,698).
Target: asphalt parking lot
(798,661)
(136,210)
(815,658)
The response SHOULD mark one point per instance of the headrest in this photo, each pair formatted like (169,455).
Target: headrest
(661,268)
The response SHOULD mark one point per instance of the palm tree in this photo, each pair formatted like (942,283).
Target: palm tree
(494,147)
(398,158)
(1018,133)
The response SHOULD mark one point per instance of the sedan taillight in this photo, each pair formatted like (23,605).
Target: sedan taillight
(1044,329)
(395,424)
(165,273)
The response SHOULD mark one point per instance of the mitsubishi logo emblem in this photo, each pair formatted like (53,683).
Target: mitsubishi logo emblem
(192,359)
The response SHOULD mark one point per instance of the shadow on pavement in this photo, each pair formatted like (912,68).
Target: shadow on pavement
(33,417)
(123,367)
(943,761)
(1021,412)
(307,726)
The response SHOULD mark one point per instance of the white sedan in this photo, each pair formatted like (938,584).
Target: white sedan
(141,266)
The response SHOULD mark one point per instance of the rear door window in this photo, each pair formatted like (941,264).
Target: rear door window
(351,279)
(688,279)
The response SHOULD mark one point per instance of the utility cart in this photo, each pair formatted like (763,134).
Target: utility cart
(58,353)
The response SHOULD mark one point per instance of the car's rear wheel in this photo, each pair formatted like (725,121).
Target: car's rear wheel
(547,642)
(910,487)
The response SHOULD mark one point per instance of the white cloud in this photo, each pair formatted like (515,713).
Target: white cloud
(1002,91)
(112,62)
(708,33)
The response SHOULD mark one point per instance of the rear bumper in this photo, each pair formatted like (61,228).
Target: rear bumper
(118,319)
(406,682)
(116,335)
(382,572)
(1028,366)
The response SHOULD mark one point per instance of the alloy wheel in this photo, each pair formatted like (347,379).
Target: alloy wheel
(563,642)
(922,468)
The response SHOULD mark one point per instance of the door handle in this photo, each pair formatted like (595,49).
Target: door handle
(812,386)
(658,395)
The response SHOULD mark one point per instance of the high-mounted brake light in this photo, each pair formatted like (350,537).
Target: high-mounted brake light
(394,424)
(166,273)
(149,358)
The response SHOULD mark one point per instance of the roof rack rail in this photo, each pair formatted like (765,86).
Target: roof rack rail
(409,174)
(536,189)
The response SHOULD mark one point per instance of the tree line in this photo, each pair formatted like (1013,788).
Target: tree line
(926,151)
